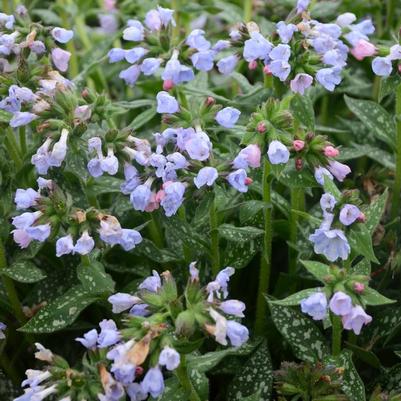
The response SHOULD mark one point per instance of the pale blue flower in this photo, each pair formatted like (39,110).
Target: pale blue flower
(21,118)
(26,219)
(278,153)
(238,180)
(40,232)
(315,306)
(196,40)
(327,202)
(340,304)
(85,244)
(198,145)
(129,239)
(237,333)
(150,65)
(338,170)
(176,72)
(151,283)
(169,358)
(60,59)
(116,54)
(135,54)
(134,32)
(153,382)
(331,243)
(301,82)
(257,47)
(349,214)
(109,164)
(320,173)
(109,335)
(227,64)
(382,66)
(89,340)
(166,103)
(122,301)
(302,6)
(228,117)
(280,69)
(286,31)
(206,176)
(62,35)
(233,307)
(174,196)
(203,60)
(130,75)
(329,77)
(140,197)
(64,245)
(95,168)
(25,198)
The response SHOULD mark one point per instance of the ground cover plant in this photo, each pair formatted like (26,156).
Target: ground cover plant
(200,200)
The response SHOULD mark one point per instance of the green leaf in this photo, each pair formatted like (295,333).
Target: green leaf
(141,119)
(249,209)
(5,116)
(363,267)
(300,332)
(150,250)
(256,375)
(239,254)
(360,241)
(296,298)
(239,234)
(383,325)
(375,211)
(387,86)
(352,385)
(106,184)
(331,188)
(296,179)
(317,269)
(204,363)
(302,108)
(375,118)
(61,312)
(372,297)
(94,279)
(242,82)
(24,271)
(391,379)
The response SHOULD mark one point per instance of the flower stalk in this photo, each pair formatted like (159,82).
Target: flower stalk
(397,180)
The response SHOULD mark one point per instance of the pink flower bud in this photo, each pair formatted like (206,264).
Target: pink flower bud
(359,288)
(248,181)
(399,68)
(139,371)
(361,218)
(160,195)
(168,84)
(252,64)
(261,127)
(299,164)
(331,151)
(210,101)
(266,70)
(363,49)
(298,145)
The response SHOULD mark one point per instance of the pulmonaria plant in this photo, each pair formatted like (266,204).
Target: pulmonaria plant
(162,327)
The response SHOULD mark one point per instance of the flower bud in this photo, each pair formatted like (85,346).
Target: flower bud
(210,101)
(310,136)
(361,218)
(168,84)
(266,70)
(185,323)
(252,65)
(299,164)
(261,127)
(298,145)
(359,288)
(248,181)
(331,151)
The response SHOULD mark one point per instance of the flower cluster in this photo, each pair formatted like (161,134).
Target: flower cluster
(159,324)
(328,240)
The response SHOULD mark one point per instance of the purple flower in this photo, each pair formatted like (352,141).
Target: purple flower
(203,60)
(331,243)
(300,83)
(257,47)
(169,358)
(7,21)
(136,392)
(280,69)
(315,306)
(25,220)
(349,214)
(156,19)
(248,157)
(173,198)
(122,301)
(129,239)
(150,65)
(109,335)
(62,35)
(228,117)
(239,180)
(85,244)
(206,176)
(25,198)
(134,32)
(122,368)
(221,45)
(280,52)
(140,310)
(89,339)
(140,197)
(302,6)
(382,66)
(37,47)
(178,160)
(2,328)
(327,202)
(166,103)
(135,54)
(320,173)
(198,146)
(130,75)
(40,232)
(345,19)
(395,52)
(233,307)
(151,283)
(339,170)
(61,59)
(237,333)
(340,304)
(329,77)
(108,23)
(153,382)
(21,238)
(176,72)
(278,153)
(59,150)
(64,245)
(21,118)
(95,168)
(116,54)
(286,31)
(22,94)
(356,319)
(196,40)
(227,64)
(109,164)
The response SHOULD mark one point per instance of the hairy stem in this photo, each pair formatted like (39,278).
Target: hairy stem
(214,238)
(265,261)
(336,335)
(12,148)
(397,180)
(297,195)
(247,10)
(22,140)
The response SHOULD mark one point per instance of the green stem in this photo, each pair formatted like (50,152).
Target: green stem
(397,180)
(186,249)
(6,7)
(214,238)
(8,368)
(10,288)
(265,261)
(247,10)
(336,335)
(22,141)
(297,195)
(154,231)
(183,376)
(12,148)
(390,14)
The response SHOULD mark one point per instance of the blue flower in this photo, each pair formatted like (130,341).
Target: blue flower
(203,60)
(302,5)
(327,202)
(85,244)
(150,65)
(227,64)
(257,47)
(116,54)
(278,153)
(169,358)
(196,40)
(228,117)
(21,118)
(129,239)
(130,75)
(301,82)
(206,176)
(89,340)
(140,197)
(40,232)
(151,283)
(238,180)
(25,198)
(166,103)
(329,77)
(109,335)
(349,214)
(64,245)
(315,306)
(177,73)
(134,32)
(382,66)
(153,382)
(285,31)
(62,35)
(174,196)
(198,145)
(333,244)
(320,173)
(135,54)
(237,333)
